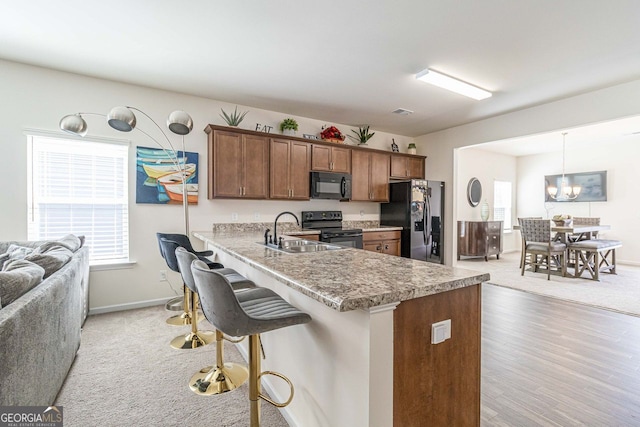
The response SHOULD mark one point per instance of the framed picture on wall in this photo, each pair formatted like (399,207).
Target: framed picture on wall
(593,186)
(159,181)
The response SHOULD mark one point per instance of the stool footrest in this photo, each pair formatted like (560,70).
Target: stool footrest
(267,398)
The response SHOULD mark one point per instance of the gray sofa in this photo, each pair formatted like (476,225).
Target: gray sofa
(40,330)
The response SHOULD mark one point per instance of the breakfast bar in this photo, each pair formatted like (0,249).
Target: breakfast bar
(368,357)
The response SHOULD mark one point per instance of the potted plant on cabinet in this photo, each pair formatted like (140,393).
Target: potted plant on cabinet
(289,126)
(234,118)
(362,135)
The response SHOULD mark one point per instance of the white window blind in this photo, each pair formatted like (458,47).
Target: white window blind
(80,187)
(502,203)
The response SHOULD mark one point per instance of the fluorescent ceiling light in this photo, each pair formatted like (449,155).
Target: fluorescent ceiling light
(454,85)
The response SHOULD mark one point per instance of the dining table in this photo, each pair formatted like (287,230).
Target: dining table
(575,232)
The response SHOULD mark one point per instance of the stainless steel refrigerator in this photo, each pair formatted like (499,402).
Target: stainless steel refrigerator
(418,207)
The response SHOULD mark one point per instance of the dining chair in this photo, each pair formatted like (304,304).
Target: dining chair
(577,220)
(522,257)
(536,234)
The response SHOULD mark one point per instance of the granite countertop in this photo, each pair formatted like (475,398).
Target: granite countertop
(346,279)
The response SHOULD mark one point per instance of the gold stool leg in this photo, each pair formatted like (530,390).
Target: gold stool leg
(254,380)
(185,317)
(220,378)
(196,338)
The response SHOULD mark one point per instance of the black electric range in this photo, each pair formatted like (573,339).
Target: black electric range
(330,225)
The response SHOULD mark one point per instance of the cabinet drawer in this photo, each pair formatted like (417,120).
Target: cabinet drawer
(494,227)
(380,235)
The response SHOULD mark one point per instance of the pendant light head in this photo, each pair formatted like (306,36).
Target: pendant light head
(180,122)
(122,119)
(74,124)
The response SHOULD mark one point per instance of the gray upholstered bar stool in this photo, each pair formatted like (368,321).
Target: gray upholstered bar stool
(222,376)
(195,338)
(251,312)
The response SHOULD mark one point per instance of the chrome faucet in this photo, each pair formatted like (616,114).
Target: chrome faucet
(275,224)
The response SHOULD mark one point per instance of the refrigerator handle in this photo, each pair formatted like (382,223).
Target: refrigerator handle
(425,223)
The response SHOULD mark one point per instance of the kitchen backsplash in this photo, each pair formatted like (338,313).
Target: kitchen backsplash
(283,227)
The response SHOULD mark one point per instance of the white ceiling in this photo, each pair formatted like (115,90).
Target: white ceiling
(343,61)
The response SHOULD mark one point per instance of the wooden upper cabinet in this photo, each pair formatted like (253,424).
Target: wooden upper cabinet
(369,176)
(407,166)
(289,170)
(325,158)
(238,165)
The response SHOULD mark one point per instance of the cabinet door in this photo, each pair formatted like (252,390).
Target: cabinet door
(226,164)
(391,247)
(341,159)
(256,167)
(373,246)
(321,158)
(399,168)
(379,177)
(279,168)
(416,167)
(299,166)
(360,188)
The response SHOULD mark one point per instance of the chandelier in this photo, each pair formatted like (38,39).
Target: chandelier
(567,191)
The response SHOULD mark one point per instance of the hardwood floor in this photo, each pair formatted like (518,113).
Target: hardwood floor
(547,362)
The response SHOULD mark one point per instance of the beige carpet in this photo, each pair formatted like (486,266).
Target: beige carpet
(126,374)
(619,292)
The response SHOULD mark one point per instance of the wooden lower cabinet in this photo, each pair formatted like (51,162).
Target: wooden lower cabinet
(480,239)
(314,237)
(384,242)
(437,384)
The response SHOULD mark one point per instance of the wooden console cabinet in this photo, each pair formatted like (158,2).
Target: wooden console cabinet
(480,239)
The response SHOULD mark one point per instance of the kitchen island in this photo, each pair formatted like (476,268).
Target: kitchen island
(366,359)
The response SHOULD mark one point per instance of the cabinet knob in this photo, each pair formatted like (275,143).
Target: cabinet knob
(386,247)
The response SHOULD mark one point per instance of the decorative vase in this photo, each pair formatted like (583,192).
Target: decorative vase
(484,211)
(411,149)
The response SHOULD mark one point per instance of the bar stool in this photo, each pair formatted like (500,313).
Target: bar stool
(251,312)
(222,376)
(182,240)
(195,338)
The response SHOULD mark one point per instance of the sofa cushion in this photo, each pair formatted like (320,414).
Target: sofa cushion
(18,252)
(70,241)
(17,277)
(50,257)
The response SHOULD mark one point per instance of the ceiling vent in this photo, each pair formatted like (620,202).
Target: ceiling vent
(402,112)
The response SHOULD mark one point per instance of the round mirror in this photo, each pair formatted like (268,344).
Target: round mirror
(474,192)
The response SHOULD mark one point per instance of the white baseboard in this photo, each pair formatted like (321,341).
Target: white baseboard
(128,306)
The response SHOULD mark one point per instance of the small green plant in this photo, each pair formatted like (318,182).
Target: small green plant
(234,118)
(362,135)
(288,123)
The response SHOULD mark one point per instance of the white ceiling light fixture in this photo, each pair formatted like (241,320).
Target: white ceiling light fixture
(454,85)
(567,191)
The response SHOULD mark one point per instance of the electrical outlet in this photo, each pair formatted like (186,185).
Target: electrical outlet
(163,275)
(234,216)
(256,216)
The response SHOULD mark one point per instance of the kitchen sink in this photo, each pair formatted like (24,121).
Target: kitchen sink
(302,246)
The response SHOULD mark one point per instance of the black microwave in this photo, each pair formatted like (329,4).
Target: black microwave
(329,185)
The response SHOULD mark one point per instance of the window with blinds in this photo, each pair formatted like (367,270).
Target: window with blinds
(502,203)
(80,187)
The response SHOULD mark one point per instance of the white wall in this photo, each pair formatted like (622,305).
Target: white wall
(487,167)
(621,210)
(593,107)
(37,98)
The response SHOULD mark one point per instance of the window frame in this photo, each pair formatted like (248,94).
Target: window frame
(507,221)
(120,149)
